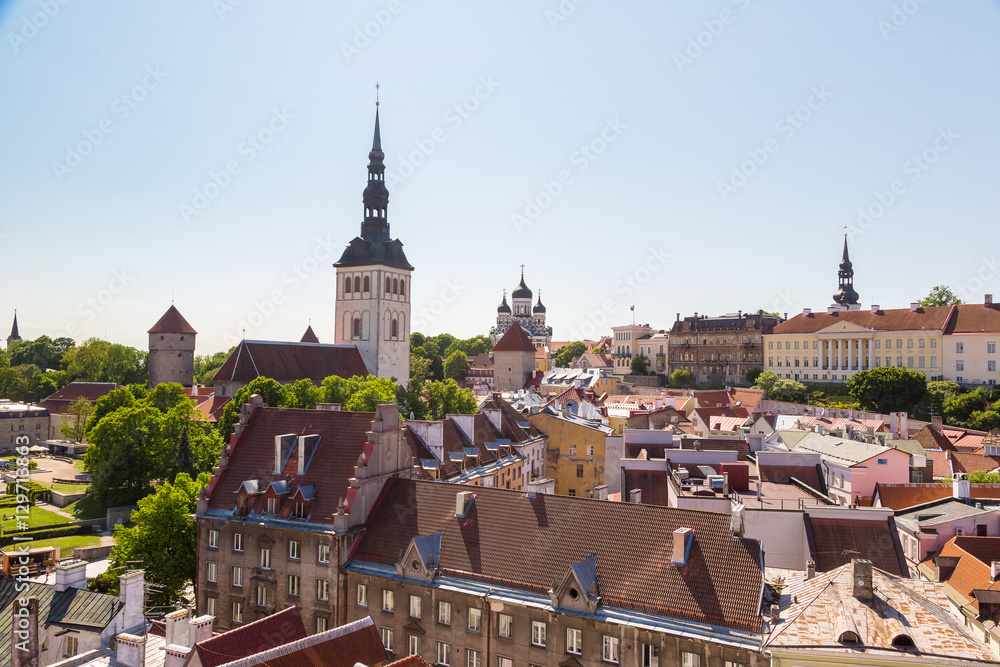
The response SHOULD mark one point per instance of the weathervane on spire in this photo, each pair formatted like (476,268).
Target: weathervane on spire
(376,93)
(522,270)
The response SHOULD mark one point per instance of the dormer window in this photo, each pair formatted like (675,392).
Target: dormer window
(301,510)
(272,505)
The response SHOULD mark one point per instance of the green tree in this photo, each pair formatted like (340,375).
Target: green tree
(752,374)
(681,377)
(567,353)
(420,369)
(887,389)
(445,398)
(940,295)
(167,395)
(51,382)
(456,365)
(185,460)
(11,384)
(787,390)
(983,477)
(122,397)
(766,381)
(76,429)
(432,352)
(372,392)
(100,361)
(639,364)
(40,352)
(206,366)
(984,420)
(162,538)
(443,342)
(126,448)
(416,340)
(302,394)
(270,390)
(959,407)
(477,345)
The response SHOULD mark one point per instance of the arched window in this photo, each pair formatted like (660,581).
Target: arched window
(402,287)
(904,643)
(357,328)
(395,329)
(388,285)
(347,284)
(395,286)
(849,638)
(367,285)
(357,284)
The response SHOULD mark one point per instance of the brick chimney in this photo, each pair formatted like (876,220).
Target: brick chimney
(24,633)
(71,573)
(861,575)
(937,422)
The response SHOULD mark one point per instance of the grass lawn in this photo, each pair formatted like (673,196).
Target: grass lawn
(78,466)
(88,508)
(36,517)
(68,488)
(67,544)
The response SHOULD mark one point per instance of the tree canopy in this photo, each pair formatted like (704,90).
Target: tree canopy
(681,377)
(940,295)
(456,365)
(567,353)
(887,389)
(639,364)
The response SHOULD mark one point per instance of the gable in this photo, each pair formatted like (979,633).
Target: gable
(845,327)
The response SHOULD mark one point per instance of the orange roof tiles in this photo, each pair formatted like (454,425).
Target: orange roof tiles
(903,496)
(515,340)
(974,318)
(172,322)
(287,362)
(283,627)
(898,319)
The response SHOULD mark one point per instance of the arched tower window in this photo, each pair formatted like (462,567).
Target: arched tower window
(402,287)
(367,285)
(388,285)
(395,329)
(356,328)
(347,284)
(395,286)
(357,284)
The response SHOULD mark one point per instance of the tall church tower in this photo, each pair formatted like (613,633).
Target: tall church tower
(845,296)
(373,283)
(14,335)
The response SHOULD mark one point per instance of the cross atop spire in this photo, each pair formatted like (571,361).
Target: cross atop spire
(376,93)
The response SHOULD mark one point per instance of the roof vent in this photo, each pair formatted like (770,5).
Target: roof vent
(914,306)
(683,537)
(875,309)
(831,310)
(807,311)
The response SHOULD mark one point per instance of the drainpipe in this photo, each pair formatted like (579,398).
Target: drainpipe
(341,587)
(488,615)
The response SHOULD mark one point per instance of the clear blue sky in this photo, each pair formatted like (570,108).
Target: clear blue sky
(182,85)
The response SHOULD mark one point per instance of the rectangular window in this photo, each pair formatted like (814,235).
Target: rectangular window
(959,348)
(475,619)
(443,653)
(71,646)
(265,558)
(505,626)
(572,450)
(579,470)
(362,595)
(899,361)
(293,549)
(650,655)
(922,361)
(213,539)
(770,344)
(878,345)
(504,662)
(322,589)
(213,572)
(416,606)
(272,505)
(237,541)
(300,510)
(920,343)
(324,554)
(322,624)
(386,638)
(959,365)
(413,645)
(815,363)
(899,343)
(237,612)
(261,596)
(574,641)
(933,343)
(610,650)
(388,600)
(730,663)
(991,348)
(796,345)
(933,361)
(237,576)
(909,343)
(444,613)
(590,450)
(770,361)
(293,585)
(475,659)
(690,659)
(538,631)
(991,366)
(210,606)
(571,493)
(909,362)
(788,345)
(883,462)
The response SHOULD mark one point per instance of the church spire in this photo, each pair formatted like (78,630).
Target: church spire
(14,335)
(376,197)
(845,294)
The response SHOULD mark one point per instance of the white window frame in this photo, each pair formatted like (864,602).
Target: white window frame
(237,611)
(261,596)
(650,655)
(238,542)
(362,595)
(213,539)
(574,641)
(294,549)
(387,638)
(322,624)
(610,649)
(72,646)
(474,658)
(477,614)
(322,589)
(505,626)
(443,653)
(388,600)
(272,505)
(538,631)
(444,612)
(413,645)
(294,585)
(689,659)
(210,604)
(213,572)
(323,554)
(265,558)
(416,606)
(237,576)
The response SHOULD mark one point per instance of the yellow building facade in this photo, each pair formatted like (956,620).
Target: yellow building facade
(575,454)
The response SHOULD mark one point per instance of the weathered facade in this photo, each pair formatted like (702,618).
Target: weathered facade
(719,350)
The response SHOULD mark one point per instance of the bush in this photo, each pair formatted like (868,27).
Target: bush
(45,533)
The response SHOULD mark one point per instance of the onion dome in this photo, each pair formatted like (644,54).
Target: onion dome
(503,307)
(539,308)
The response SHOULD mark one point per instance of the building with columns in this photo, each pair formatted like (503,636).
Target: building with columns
(373,283)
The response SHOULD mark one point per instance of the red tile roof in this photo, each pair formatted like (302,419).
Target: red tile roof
(287,362)
(652,483)
(899,319)
(947,463)
(281,628)
(834,542)
(309,336)
(973,571)
(515,340)
(902,496)
(509,539)
(410,661)
(172,322)
(974,318)
(342,441)
(717,444)
(59,402)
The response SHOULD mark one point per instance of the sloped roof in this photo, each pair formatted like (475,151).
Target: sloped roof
(902,496)
(59,402)
(720,444)
(974,318)
(933,318)
(172,322)
(973,571)
(72,608)
(342,441)
(782,474)
(288,362)
(309,336)
(843,450)
(284,626)
(823,607)
(528,543)
(652,483)
(515,340)
(947,463)
(834,542)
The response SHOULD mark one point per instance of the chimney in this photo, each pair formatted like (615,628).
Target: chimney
(807,311)
(71,573)
(174,655)
(635,496)
(463,500)
(914,306)
(131,592)
(130,650)
(810,569)
(785,317)
(177,631)
(725,484)
(493,416)
(904,426)
(831,310)
(994,570)
(682,545)
(960,486)
(875,309)
(937,422)
(24,633)
(988,300)
(601,492)
(775,613)
(200,629)
(861,575)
